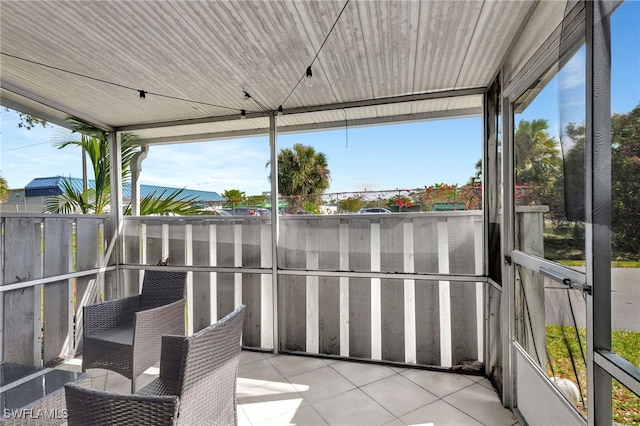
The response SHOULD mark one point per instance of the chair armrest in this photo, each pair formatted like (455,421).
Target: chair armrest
(107,315)
(167,319)
(171,359)
(86,406)
(150,326)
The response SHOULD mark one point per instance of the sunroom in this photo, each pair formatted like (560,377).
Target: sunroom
(484,291)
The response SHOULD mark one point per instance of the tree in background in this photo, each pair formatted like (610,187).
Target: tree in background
(625,184)
(470,195)
(256,200)
(351,204)
(567,200)
(4,189)
(234,197)
(26,122)
(538,166)
(29,121)
(537,162)
(453,197)
(311,204)
(476,179)
(95,143)
(302,172)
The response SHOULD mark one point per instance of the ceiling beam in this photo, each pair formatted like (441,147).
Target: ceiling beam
(48,104)
(389,100)
(317,108)
(361,122)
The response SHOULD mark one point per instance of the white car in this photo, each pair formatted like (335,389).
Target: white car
(374,210)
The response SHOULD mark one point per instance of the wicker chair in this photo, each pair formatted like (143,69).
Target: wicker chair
(124,335)
(197,384)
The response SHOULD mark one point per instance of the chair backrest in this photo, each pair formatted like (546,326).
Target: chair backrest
(160,288)
(207,382)
(91,407)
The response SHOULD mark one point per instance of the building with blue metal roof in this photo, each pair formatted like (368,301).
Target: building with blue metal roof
(33,197)
(49,186)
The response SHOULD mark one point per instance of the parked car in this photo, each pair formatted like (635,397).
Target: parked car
(248,211)
(374,210)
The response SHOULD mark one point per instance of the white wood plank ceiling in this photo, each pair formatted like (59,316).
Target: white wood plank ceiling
(384,61)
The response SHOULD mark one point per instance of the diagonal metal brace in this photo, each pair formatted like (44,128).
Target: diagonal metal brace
(565,280)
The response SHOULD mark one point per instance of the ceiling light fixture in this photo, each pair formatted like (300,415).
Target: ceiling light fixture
(308,81)
(280,112)
(247,96)
(143,97)
(243,114)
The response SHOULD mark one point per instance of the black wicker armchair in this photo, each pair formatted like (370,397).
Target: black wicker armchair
(124,335)
(197,384)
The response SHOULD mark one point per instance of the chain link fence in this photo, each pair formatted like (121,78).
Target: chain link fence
(432,198)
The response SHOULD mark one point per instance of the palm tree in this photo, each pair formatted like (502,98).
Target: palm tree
(536,155)
(302,172)
(95,144)
(537,159)
(4,189)
(233,197)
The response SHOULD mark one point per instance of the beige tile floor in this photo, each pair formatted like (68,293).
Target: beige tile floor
(294,390)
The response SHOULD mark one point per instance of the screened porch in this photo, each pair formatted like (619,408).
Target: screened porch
(464,299)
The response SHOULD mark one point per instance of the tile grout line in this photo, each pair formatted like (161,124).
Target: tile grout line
(465,413)
(355,387)
(301,395)
(476,419)
(454,407)
(262,420)
(278,370)
(451,393)
(239,407)
(305,399)
(369,396)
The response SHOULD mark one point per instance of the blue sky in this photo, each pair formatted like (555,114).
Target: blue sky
(400,156)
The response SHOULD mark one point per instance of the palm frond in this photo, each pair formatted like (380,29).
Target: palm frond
(96,144)
(165,203)
(71,200)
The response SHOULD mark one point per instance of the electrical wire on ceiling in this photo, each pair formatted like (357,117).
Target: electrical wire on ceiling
(308,74)
(247,96)
(346,128)
(142,94)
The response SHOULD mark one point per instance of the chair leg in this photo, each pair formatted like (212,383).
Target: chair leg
(133,386)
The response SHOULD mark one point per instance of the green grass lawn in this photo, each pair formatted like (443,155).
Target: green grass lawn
(565,250)
(562,340)
(614,264)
